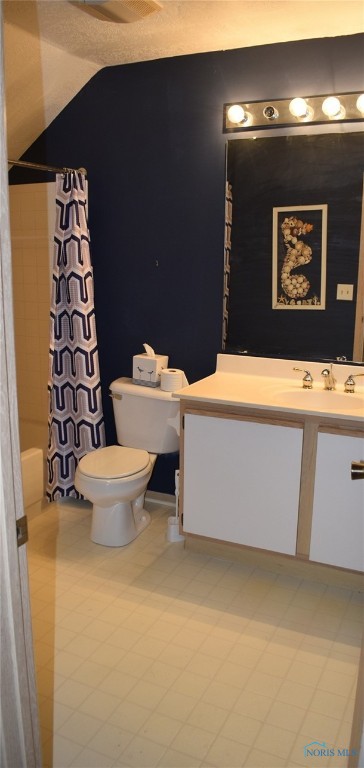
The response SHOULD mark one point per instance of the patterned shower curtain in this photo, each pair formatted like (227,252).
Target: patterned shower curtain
(75,423)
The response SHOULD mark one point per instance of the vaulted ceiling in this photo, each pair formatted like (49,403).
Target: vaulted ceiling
(52,48)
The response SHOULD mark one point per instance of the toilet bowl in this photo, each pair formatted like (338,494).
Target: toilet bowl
(115,478)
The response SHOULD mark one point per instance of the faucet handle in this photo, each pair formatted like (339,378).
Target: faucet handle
(349,385)
(307,380)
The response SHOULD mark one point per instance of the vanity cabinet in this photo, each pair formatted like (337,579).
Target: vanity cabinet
(280,483)
(337,533)
(241,480)
(266,464)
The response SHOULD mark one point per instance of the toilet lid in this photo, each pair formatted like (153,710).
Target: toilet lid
(114,461)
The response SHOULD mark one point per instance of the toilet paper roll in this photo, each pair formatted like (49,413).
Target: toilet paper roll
(172,379)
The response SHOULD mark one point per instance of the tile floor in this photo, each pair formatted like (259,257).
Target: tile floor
(153,655)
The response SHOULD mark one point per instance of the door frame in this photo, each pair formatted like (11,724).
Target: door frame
(19,721)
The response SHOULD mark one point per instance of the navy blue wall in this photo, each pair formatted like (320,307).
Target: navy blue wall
(150,136)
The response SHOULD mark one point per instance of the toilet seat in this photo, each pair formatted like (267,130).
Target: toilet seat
(114,461)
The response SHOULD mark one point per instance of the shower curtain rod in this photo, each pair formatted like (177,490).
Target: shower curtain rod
(38,167)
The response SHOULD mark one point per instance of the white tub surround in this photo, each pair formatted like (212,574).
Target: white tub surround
(32,467)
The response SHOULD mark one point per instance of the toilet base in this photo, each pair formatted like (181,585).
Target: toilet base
(119,524)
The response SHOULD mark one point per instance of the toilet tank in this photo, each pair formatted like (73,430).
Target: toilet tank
(141,417)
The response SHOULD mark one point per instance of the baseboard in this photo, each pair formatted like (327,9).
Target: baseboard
(155,497)
(33,510)
(276,562)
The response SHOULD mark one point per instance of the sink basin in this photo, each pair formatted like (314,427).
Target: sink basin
(320,400)
(268,384)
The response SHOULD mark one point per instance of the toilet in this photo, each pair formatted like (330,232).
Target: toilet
(115,478)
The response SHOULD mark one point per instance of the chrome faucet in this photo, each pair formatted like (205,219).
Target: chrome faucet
(329,378)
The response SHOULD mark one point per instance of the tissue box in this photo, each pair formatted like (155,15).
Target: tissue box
(147,369)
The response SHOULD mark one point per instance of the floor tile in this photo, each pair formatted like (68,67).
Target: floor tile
(71,691)
(174,759)
(329,704)
(142,753)
(275,741)
(226,752)
(151,655)
(99,704)
(258,759)
(208,717)
(146,694)
(222,695)
(88,758)
(177,705)
(129,716)
(320,726)
(253,704)
(80,727)
(286,715)
(266,685)
(193,741)
(110,740)
(160,728)
(241,728)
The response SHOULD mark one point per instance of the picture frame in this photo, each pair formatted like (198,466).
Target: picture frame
(299,249)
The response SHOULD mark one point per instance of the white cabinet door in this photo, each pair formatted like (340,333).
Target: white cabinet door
(241,481)
(337,534)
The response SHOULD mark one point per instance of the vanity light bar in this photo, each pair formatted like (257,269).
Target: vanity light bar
(310,110)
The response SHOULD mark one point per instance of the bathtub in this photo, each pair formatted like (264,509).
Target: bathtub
(33,480)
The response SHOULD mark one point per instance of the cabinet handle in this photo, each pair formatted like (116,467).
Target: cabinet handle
(357,470)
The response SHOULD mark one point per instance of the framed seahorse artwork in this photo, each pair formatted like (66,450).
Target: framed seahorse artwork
(299,257)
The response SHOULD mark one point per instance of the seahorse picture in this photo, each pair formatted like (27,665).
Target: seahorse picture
(298,253)
(299,257)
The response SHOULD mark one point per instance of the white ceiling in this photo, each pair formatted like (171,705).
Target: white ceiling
(52,48)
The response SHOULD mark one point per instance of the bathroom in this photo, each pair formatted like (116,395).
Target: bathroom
(177,307)
(179,193)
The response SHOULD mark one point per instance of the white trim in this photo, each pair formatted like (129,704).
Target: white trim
(166,499)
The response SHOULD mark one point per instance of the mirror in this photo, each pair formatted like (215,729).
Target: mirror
(303,175)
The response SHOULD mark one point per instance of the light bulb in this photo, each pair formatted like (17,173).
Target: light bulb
(270,112)
(332,108)
(298,107)
(360,103)
(236,114)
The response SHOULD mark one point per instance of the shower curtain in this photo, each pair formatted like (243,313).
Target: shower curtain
(75,422)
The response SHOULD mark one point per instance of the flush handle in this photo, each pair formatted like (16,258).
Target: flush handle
(357,470)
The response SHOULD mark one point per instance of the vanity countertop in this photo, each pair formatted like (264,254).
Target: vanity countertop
(267,383)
